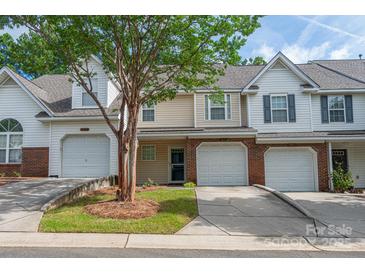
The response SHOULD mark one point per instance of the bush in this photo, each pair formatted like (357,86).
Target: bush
(190,185)
(149,183)
(342,180)
(17,174)
(2,174)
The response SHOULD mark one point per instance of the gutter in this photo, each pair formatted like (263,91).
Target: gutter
(75,118)
(260,140)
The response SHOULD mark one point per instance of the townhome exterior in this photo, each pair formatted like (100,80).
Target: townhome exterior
(281,125)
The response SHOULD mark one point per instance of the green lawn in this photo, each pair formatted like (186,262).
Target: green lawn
(178,207)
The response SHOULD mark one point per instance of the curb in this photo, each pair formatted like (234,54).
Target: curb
(77,192)
(288,200)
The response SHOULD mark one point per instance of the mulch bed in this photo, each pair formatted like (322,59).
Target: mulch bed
(113,190)
(7,180)
(140,208)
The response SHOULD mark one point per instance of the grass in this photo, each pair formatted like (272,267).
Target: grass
(178,207)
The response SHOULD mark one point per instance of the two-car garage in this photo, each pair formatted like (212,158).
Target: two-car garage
(286,168)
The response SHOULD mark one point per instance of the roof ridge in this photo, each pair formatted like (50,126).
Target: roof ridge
(339,72)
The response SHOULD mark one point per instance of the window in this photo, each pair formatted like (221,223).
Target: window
(11,141)
(148,113)
(279,108)
(87,101)
(218,110)
(148,152)
(336,106)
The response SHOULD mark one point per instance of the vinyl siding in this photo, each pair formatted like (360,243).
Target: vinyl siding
(281,81)
(355,159)
(178,112)
(102,86)
(200,112)
(157,170)
(17,104)
(358,102)
(60,129)
(112,92)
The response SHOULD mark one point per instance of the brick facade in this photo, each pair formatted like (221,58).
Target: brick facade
(35,162)
(9,169)
(256,161)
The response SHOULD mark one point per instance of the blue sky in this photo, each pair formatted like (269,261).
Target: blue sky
(303,38)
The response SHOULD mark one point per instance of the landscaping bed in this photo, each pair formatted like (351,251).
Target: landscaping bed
(7,180)
(169,209)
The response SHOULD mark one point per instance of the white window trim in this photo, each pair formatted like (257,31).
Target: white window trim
(152,107)
(7,148)
(329,109)
(154,154)
(225,108)
(272,109)
(83,91)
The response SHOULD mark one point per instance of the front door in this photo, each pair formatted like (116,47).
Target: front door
(177,157)
(339,157)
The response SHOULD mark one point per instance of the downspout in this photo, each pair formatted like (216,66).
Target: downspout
(330,169)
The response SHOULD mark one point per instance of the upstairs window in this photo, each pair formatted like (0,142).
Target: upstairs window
(86,99)
(279,108)
(148,113)
(336,106)
(11,141)
(218,110)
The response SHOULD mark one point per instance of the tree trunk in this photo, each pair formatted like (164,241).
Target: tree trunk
(123,151)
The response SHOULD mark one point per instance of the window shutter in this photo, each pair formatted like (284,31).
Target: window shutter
(291,107)
(228,108)
(349,109)
(324,109)
(206,107)
(267,109)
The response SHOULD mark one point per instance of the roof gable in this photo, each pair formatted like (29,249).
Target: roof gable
(280,61)
(36,93)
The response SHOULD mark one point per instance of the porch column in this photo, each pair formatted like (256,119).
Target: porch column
(330,168)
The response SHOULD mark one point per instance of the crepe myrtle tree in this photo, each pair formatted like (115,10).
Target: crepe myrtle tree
(150,58)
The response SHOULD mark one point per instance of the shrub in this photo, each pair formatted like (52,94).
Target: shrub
(189,185)
(2,174)
(342,180)
(149,183)
(17,174)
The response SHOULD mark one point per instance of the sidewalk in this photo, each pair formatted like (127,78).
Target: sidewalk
(249,243)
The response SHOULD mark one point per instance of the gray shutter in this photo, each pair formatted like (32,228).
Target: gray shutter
(206,99)
(324,109)
(267,109)
(349,109)
(291,107)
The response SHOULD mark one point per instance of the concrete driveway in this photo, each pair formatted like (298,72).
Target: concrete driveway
(344,212)
(245,211)
(20,202)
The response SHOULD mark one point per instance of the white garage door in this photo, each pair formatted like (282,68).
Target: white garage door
(221,164)
(291,169)
(85,156)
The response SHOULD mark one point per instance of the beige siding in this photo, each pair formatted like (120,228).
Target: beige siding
(244,111)
(157,170)
(355,159)
(178,112)
(200,113)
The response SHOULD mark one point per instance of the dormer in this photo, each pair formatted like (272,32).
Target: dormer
(102,86)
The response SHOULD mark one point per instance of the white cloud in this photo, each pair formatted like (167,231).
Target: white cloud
(301,54)
(341,53)
(265,51)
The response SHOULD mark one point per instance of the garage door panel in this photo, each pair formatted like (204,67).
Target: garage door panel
(221,164)
(290,169)
(85,156)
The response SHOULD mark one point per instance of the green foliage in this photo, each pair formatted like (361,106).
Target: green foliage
(258,60)
(149,183)
(190,185)
(2,174)
(17,174)
(342,180)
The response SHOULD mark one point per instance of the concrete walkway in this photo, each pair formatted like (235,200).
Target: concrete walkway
(21,202)
(246,211)
(344,212)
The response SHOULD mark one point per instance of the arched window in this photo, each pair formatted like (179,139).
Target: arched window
(11,141)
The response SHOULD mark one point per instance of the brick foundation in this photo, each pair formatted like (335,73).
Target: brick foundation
(35,162)
(9,169)
(256,161)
